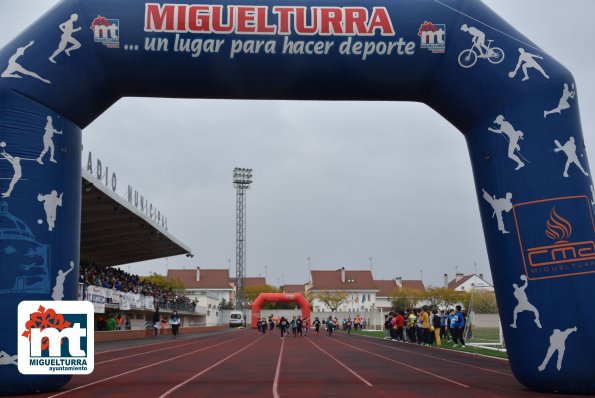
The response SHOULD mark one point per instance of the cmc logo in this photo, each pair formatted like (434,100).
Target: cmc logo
(106,31)
(432,37)
(56,337)
(566,246)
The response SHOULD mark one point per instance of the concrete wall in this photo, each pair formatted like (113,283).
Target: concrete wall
(118,335)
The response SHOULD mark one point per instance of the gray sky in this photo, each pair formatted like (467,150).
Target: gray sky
(336,182)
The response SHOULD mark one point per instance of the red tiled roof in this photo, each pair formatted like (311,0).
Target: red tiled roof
(251,281)
(294,289)
(414,285)
(354,280)
(386,287)
(254,281)
(454,284)
(209,278)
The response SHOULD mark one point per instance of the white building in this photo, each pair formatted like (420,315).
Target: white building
(387,287)
(466,283)
(208,286)
(358,286)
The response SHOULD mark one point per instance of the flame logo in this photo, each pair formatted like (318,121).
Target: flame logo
(558,228)
(427,27)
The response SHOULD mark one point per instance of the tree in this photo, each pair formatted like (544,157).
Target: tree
(225,305)
(403,298)
(164,283)
(252,292)
(444,297)
(484,302)
(332,299)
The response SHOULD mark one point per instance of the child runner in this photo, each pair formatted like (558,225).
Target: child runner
(316,324)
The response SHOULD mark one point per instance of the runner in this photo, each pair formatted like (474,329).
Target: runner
(67,29)
(316,324)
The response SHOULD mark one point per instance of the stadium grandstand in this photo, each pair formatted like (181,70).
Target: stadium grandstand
(113,233)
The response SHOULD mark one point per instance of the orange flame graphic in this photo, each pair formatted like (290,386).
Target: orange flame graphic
(558,228)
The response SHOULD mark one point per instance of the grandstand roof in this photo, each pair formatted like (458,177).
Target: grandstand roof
(114,232)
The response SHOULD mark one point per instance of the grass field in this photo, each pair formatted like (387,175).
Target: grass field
(448,345)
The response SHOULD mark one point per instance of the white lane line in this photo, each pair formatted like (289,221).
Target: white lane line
(138,369)
(342,364)
(277,372)
(165,394)
(144,353)
(441,359)
(404,364)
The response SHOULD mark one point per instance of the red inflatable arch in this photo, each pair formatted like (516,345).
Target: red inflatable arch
(279,297)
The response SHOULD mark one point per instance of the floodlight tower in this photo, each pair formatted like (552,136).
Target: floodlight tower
(242,178)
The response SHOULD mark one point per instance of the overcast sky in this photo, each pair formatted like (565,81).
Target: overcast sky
(337,182)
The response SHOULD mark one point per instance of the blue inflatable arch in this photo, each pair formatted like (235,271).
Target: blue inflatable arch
(516,106)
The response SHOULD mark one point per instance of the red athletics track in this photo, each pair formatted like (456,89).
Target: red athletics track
(241,363)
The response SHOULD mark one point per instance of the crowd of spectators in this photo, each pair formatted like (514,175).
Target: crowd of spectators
(114,278)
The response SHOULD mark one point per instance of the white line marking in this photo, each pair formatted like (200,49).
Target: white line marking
(442,359)
(276,382)
(404,364)
(342,364)
(144,353)
(165,394)
(138,369)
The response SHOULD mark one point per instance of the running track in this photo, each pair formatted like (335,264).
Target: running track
(240,363)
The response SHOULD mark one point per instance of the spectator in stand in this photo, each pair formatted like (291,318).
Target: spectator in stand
(113,278)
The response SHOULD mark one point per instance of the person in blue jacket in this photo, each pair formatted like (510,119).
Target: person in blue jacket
(459,327)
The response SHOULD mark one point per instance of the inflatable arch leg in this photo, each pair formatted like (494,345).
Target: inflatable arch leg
(516,106)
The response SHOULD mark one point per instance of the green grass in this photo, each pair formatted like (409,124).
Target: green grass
(448,345)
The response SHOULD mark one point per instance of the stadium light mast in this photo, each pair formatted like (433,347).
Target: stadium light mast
(242,178)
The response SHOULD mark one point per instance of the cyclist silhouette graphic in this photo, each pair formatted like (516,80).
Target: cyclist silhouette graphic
(468,57)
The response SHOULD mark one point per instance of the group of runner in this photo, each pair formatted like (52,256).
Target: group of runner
(297,325)
(426,326)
